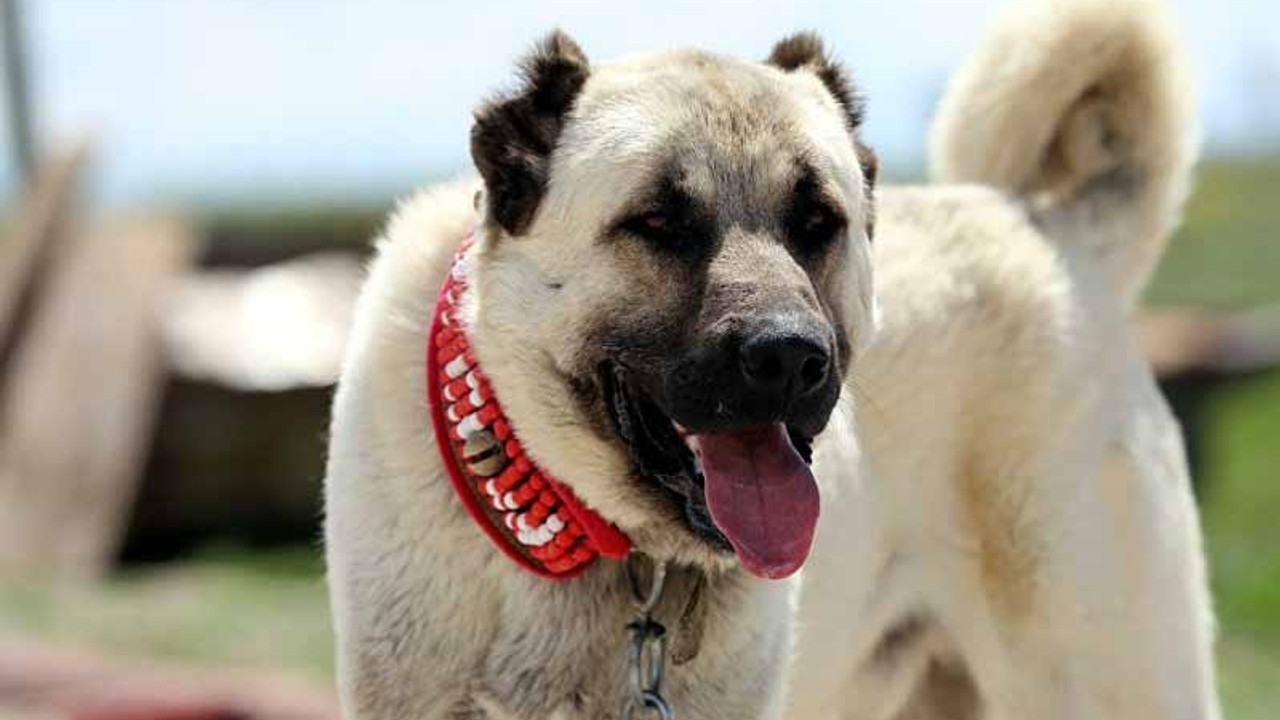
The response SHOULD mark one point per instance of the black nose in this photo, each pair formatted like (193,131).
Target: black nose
(792,364)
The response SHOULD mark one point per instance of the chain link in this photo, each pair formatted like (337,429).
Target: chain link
(646,646)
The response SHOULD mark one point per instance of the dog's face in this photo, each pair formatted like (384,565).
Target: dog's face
(672,282)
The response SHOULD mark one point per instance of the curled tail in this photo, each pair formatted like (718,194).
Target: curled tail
(1083,110)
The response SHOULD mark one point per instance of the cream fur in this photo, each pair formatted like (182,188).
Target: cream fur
(1099,141)
(1007,528)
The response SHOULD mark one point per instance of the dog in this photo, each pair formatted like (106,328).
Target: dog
(699,326)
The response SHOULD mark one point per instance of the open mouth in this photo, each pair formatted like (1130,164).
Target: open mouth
(747,489)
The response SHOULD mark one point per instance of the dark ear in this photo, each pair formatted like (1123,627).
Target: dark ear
(514,134)
(804,51)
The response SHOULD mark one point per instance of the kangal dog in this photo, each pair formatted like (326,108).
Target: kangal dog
(693,323)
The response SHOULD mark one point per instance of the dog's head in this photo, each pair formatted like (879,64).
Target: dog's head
(672,279)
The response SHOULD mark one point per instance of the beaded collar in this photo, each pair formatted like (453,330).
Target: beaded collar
(532,518)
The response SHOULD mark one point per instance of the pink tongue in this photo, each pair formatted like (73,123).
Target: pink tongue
(761,495)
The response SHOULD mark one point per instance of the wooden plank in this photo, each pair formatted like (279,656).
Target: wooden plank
(85,383)
(46,205)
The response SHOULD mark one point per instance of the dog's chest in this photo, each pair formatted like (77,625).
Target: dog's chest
(566,673)
(565,657)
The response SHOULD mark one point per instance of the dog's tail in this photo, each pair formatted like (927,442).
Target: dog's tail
(1083,110)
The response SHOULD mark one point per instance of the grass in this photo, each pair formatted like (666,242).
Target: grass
(1243,536)
(269,609)
(1227,254)
(224,607)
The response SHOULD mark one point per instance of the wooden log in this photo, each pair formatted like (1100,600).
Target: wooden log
(43,210)
(274,328)
(1184,341)
(77,413)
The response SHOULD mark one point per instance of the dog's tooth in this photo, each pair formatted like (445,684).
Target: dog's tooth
(483,454)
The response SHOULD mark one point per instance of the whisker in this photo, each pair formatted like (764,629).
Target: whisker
(865,398)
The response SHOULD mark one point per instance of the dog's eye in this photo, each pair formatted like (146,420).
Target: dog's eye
(655,225)
(815,222)
(669,222)
(655,221)
(815,226)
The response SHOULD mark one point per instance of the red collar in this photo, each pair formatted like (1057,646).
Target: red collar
(535,520)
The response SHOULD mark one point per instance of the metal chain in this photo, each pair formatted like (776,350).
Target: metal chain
(646,646)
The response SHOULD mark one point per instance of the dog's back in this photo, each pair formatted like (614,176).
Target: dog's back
(1015,535)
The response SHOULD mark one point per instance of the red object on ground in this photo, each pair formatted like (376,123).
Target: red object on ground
(160,710)
(44,681)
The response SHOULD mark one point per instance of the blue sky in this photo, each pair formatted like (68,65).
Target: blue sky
(261,101)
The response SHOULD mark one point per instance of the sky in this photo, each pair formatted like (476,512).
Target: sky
(243,102)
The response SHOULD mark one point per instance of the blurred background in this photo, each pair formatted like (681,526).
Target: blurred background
(187,191)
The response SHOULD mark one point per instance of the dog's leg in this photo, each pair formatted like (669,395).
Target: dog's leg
(410,635)
(410,632)
(1113,619)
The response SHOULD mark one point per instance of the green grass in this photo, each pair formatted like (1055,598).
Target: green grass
(1242,529)
(225,607)
(260,610)
(1227,256)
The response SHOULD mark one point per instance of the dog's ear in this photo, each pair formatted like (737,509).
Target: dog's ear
(514,134)
(805,52)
